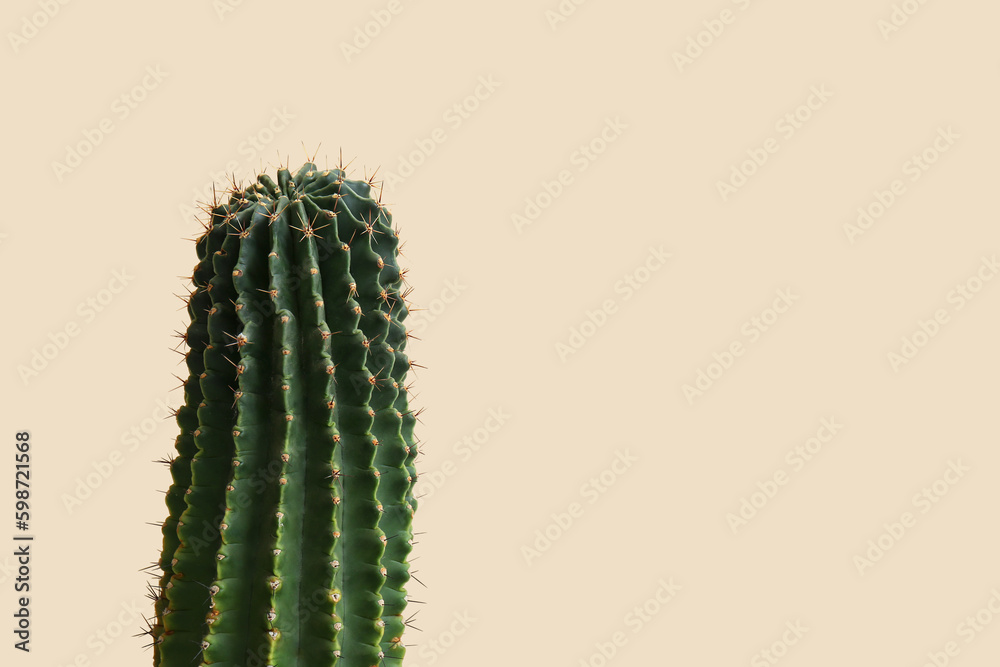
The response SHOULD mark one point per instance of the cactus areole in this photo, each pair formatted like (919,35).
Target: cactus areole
(290,510)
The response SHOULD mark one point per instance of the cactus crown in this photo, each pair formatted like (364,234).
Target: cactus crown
(290,510)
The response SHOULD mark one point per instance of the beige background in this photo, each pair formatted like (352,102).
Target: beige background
(500,298)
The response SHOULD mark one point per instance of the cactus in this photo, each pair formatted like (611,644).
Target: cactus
(290,510)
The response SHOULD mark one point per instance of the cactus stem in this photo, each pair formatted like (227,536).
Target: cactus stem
(327,520)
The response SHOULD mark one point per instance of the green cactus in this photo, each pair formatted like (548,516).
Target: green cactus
(291,505)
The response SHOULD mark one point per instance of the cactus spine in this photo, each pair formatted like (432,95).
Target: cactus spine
(290,510)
